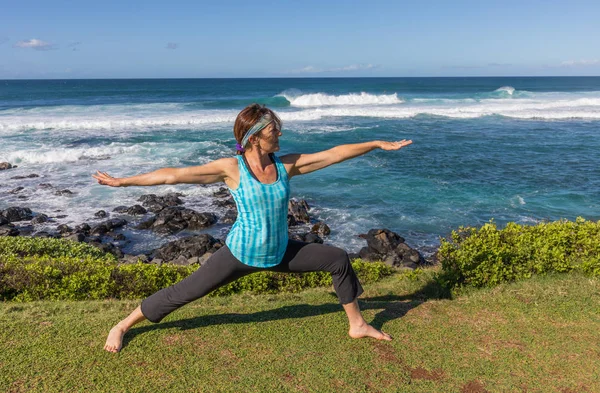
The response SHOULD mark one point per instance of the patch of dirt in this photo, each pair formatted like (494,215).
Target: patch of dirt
(579,389)
(421,373)
(386,352)
(292,380)
(474,387)
(172,339)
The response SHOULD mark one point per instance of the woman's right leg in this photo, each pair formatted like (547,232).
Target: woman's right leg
(220,269)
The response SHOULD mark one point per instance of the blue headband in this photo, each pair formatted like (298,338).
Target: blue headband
(260,124)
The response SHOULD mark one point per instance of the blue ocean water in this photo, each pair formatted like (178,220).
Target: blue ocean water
(510,149)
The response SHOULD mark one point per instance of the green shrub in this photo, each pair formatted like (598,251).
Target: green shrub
(56,248)
(36,269)
(487,256)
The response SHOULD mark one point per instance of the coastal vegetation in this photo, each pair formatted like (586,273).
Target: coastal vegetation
(58,269)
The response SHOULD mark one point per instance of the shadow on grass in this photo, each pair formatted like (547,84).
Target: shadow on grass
(392,307)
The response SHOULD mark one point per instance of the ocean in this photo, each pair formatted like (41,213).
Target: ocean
(523,149)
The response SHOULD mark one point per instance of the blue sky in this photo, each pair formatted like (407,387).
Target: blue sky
(195,39)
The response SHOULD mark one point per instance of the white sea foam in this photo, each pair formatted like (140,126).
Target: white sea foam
(322,99)
(506,89)
(305,107)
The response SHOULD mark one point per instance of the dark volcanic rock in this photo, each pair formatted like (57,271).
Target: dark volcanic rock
(8,230)
(321,229)
(120,209)
(64,228)
(82,228)
(64,192)
(3,220)
(76,237)
(187,248)
(227,203)
(136,210)
(45,185)
(222,192)
(6,165)
(16,190)
(156,203)
(229,217)
(13,214)
(101,214)
(298,212)
(107,226)
(389,247)
(306,237)
(173,219)
(39,219)
(31,176)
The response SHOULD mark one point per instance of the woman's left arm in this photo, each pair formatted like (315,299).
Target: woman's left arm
(300,164)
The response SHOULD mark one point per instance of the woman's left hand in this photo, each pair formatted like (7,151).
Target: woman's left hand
(383,145)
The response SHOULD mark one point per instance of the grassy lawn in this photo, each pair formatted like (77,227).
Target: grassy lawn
(539,335)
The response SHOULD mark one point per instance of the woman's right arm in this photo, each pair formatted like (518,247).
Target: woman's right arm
(213,172)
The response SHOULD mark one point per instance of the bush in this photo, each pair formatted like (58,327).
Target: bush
(488,256)
(56,269)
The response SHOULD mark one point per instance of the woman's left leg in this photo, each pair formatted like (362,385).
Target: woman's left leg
(310,257)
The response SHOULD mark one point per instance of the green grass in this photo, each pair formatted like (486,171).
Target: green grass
(537,335)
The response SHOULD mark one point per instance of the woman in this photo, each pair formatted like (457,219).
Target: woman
(258,240)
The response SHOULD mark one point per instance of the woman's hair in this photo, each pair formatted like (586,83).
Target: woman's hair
(248,117)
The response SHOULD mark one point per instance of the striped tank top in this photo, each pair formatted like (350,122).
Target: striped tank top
(259,236)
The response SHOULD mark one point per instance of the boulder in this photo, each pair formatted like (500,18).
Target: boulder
(174,219)
(76,237)
(107,226)
(298,212)
(229,217)
(39,219)
(8,230)
(5,165)
(13,214)
(101,214)
(136,210)
(306,237)
(156,203)
(45,185)
(222,192)
(64,229)
(16,190)
(226,203)
(321,229)
(183,250)
(389,247)
(64,192)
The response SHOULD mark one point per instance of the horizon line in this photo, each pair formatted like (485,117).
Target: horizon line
(299,77)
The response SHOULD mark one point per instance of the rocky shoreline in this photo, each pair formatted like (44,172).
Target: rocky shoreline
(166,215)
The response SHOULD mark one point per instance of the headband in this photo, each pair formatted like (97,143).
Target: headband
(260,124)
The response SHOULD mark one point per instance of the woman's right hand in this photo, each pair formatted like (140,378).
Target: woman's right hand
(106,179)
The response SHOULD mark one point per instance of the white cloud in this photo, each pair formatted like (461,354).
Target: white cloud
(172,45)
(353,67)
(583,62)
(35,44)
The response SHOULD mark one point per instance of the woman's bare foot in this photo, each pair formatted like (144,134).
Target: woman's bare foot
(368,331)
(114,342)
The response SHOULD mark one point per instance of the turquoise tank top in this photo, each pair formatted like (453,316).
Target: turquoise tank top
(259,236)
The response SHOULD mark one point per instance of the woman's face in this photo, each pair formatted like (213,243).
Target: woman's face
(269,138)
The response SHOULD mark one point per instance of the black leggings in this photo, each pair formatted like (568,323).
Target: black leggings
(222,268)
